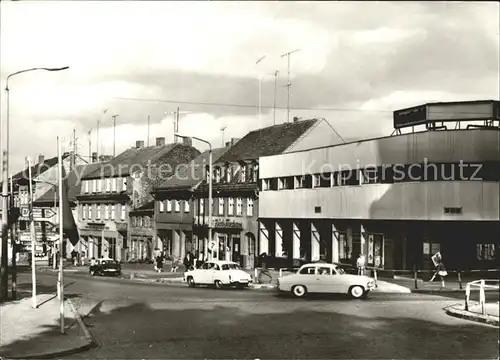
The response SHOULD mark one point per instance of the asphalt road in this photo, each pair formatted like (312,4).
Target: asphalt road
(142,321)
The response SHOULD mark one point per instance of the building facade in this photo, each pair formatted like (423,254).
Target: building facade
(119,186)
(174,210)
(397,199)
(235,183)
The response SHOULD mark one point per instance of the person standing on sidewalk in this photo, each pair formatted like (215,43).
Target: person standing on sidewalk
(360,264)
(159,263)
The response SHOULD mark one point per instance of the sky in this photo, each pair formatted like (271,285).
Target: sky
(357,63)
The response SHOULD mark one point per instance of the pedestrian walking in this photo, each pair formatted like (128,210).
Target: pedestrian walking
(440,271)
(159,263)
(264,259)
(360,264)
(93,263)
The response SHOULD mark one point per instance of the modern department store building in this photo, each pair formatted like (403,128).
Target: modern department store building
(397,199)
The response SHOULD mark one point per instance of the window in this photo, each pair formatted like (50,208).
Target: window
(317,179)
(325,180)
(113,213)
(485,251)
(124,184)
(349,177)
(266,184)
(317,209)
(370,175)
(230,207)
(325,271)
(207,266)
(139,222)
(94,185)
(98,216)
(243,173)
(453,210)
(177,206)
(106,212)
(230,267)
(113,184)
(221,206)
(122,215)
(108,185)
(87,186)
(229,173)
(82,211)
(99,185)
(286,183)
(133,220)
(186,206)
(147,221)
(202,206)
(162,206)
(303,182)
(239,206)
(90,212)
(169,205)
(249,207)
(308,270)
(217,174)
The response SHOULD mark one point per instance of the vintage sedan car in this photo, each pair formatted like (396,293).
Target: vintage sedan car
(325,278)
(218,273)
(106,266)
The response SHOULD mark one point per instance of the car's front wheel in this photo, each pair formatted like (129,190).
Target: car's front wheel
(299,291)
(190,281)
(357,291)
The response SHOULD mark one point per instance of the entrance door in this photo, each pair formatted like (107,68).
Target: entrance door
(99,248)
(236,250)
(112,248)
(252,250)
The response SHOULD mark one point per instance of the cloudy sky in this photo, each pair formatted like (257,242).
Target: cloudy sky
(357,63)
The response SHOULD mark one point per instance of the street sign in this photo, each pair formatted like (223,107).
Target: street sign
(37,213)
(25,212)
(48,213)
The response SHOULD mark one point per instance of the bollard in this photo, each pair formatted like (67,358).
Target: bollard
(256,275)
(482,297)
(415,277)
(467,294)
(375,277)
(132,275)
(460,280)
(280,273)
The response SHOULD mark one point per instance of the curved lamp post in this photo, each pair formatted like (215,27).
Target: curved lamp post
(5,178)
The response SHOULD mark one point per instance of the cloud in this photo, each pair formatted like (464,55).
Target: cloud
(357,63)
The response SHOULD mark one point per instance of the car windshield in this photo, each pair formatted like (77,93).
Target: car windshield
(230,267)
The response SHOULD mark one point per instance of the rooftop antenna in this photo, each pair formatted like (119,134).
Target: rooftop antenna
(289,84)
(222,134)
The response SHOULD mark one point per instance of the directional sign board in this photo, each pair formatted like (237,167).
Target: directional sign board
(48,213)
(25,212)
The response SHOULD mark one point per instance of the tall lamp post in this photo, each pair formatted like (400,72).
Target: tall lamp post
(210,171)
(5,178)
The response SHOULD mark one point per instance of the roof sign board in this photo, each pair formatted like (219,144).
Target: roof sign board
(451,111)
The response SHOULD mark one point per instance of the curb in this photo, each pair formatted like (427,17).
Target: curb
(90,341)
(462,314)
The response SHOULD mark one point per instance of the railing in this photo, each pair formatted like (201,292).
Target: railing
(482,285)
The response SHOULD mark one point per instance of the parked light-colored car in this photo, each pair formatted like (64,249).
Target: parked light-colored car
(325,278)
(219,273)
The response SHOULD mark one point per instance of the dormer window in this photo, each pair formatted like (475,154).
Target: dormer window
(217,174)
(229,173)
(243,173)
(255,172)
(207,173)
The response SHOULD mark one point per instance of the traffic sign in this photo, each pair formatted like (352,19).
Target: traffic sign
(48,213)
(25,212)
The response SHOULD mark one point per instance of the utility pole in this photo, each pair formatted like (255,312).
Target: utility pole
(149,119)
(90,146)
(276,73)
(289,84)
(97,140)
(73,156)
(114,134)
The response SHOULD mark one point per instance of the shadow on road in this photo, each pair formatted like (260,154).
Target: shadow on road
(192,331)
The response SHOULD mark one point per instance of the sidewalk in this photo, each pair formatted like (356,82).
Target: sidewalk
(35,333)
(474,313)
(425,287)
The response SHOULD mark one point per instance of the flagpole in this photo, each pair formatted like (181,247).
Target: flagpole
(32,235)
(61,240)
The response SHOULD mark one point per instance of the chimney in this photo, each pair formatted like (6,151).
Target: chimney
(295,119)
(139,144)
(94,157)
(228,144)
(187,141)
(234,141)
(41,159)
(160,141)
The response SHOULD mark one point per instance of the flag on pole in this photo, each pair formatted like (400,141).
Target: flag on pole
(105,111)
(69,225)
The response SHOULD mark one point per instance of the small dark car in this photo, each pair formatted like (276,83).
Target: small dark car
(108,267)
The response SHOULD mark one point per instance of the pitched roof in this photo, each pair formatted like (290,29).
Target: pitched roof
(74,187)
(272,140)
(145,208)
(192,173)
(127,160)
(37,169)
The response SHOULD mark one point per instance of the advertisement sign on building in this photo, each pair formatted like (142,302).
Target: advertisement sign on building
(457,112)
(410,117)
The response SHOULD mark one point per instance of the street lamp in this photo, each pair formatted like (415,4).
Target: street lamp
(5,178)
(210,171)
